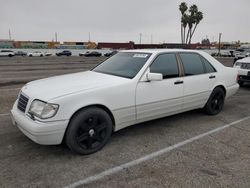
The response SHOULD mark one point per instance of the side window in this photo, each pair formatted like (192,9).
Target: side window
(208,66)
(166,64)
(192,64)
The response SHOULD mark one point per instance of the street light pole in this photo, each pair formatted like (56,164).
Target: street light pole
(9,35)
(56,36)
(219,43)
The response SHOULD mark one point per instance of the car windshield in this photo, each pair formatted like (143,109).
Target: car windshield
(123,64)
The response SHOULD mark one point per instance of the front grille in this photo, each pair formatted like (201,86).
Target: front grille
(245,65)
(22,103)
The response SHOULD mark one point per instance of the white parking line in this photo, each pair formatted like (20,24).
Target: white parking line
(10,89)
(150,156)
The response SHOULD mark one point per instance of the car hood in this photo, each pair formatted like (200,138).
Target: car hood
(58,86)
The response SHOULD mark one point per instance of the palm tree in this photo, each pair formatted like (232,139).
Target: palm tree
(198,17)
(191,20)
(184,21)
(183,8)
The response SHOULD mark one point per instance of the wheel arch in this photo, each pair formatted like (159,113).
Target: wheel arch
(222,87)
(103,107)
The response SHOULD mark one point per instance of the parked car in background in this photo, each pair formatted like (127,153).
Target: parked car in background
(243,66)
(241,53)
(91,54)
(47,54)
(64,53)
(82,53)
(6,53)
(35,54)
(133,86)
(110,53)
(20,53)
(222,54)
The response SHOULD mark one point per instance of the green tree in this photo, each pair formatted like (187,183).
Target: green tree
(191,17)
(183,8)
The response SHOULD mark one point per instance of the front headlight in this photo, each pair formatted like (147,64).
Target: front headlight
(237,64)
(42,109)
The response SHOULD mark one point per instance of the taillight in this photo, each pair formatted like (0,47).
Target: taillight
(237,78)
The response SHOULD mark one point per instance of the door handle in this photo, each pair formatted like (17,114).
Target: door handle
(178,82)
(212,76)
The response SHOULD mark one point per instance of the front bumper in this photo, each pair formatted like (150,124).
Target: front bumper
(244,75)
(45,133)
(244,78)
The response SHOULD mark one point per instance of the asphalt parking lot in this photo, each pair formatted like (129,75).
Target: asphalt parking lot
(186,150)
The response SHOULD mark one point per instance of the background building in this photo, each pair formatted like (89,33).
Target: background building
(6,44)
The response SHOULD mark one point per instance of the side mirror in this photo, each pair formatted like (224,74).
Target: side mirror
(154,76)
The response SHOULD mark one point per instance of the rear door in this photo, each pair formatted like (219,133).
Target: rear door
(198,82)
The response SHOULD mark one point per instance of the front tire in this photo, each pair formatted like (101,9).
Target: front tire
(89,130)
(215,102)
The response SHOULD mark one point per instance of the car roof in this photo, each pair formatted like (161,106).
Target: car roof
(157,51)
(244,60)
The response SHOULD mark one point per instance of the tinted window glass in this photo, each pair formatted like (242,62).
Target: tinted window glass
(208,66)
(192,64)
(124,64)
(165,64)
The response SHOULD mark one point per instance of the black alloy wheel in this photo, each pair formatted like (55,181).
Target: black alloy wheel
(215,102)
(89,130)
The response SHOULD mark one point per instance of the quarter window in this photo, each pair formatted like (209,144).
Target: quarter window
(208,66)
(166,64)
(192,64)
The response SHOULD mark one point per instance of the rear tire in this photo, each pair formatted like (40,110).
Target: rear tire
(215,102)
(88,131)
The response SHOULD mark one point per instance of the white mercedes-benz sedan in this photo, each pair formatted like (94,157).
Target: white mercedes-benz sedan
(133,86)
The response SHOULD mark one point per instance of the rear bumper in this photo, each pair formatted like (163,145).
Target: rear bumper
(231,90)
(45,133)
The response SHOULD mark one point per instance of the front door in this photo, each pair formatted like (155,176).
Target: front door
(160,98)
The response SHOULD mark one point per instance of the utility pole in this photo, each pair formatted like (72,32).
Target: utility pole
(89,36)
(9,34)
(140,37)
(151,39)
(219,42)
(56,36)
